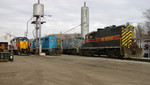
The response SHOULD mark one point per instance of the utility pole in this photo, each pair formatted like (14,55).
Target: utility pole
(36,37)
(40,44)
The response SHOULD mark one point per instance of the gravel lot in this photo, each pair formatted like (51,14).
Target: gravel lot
(73,70)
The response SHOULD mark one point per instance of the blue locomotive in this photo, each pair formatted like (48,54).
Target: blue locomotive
(51,45)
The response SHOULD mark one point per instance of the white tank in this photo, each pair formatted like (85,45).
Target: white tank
(84,20)
(38,9)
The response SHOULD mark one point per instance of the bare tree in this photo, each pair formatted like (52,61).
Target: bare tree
(139,33)
(147,22)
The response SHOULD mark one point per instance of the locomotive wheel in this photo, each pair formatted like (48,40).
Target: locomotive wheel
(111,53)
(99,54)
(81,53)
(91,54)
(117,53)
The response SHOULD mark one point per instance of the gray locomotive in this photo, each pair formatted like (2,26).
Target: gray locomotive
(72,45)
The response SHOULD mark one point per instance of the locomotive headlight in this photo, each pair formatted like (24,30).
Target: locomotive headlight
(11,57)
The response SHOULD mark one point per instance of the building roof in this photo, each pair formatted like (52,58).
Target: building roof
(62,36)
(7,38)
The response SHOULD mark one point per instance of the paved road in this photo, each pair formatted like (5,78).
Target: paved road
(73,70)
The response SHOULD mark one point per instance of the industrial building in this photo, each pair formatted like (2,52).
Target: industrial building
(7,38)
(144,42)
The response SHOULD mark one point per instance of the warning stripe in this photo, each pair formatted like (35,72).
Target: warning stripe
(116,37)
(109,38)
(128,26)
(130,43)
(127,35)
(126,41)
(126,31)
(127,38)
(90,40)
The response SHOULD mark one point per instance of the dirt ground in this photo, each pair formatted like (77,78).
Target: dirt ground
(73,70)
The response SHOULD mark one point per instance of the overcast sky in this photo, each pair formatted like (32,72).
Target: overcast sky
(66,14)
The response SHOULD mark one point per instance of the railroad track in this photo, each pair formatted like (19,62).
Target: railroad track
(138,59)
(129,59)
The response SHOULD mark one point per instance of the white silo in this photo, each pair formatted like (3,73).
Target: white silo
(84,20)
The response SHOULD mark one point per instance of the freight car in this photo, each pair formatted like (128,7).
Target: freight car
(72,45)
(51,45)
(20,45)
(114,41)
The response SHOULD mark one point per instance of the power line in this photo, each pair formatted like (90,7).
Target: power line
(73,28)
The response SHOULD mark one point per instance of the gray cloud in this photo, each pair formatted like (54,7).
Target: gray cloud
(14,14)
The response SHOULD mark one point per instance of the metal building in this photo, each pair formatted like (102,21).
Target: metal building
(7,38)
